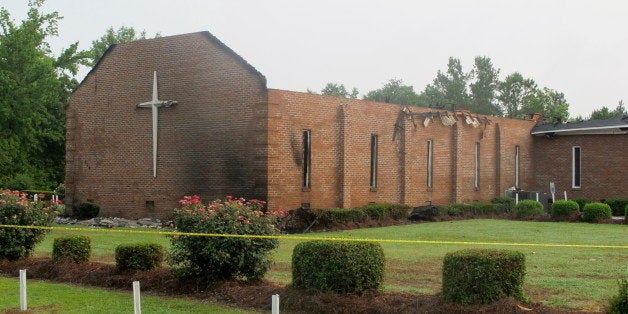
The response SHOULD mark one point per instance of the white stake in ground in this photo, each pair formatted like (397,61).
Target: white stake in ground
(565,195)
(137,304)
(275,308)
(23,304)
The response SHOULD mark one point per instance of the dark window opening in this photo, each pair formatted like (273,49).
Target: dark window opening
(517,166)
(576,167)
(373,161)
(476,171)
(307,159)
(150,205)
(430,163)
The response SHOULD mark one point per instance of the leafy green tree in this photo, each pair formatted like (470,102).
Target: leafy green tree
(548,102)
(34,86)
(606,113)
(484,87)
(335,89)
(601,114)
(394,92)
(449,87)
(514,91)
(111,36)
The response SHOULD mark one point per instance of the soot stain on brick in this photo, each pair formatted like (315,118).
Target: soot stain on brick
(296,150)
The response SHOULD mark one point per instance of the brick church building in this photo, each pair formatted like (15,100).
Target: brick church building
(161,118)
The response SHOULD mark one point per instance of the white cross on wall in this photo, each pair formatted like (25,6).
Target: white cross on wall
(154,104)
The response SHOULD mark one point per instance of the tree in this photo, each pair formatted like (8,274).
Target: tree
(606,113)
(34,86)
(450,87)
(548,102)
(111,36)
(394,92)
(335,89)
(514,91)
(484,87)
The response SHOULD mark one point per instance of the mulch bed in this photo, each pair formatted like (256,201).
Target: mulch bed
(253,295)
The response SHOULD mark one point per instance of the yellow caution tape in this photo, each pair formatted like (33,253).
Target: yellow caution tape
(301,238)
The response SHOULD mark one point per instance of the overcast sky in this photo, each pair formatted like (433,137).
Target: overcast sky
(576,47)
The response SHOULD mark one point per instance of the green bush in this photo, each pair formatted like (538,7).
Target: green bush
(617,205)
(564,208)
(581,202)
(16,209)
(139,256)
(475,209)
(479,276)
(328,217)
(78,248)
(528,208)
(399,211)
(87,210)
(507,203)
(626,215)
(383,210)
(619,303)
(338,266)
(218,258)
(457,209)
(593,212)
(376,210)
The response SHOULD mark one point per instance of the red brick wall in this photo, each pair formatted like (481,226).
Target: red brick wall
(341,134)
(604,162)
(212,143)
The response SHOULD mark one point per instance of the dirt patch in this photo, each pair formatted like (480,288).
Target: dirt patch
(254,295)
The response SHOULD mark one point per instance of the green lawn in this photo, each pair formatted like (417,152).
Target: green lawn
(579,278)
(59,298)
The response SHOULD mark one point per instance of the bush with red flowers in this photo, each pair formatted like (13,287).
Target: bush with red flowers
(210,258)
(16,209)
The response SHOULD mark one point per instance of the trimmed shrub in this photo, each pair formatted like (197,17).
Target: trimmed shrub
(617,204)
(528,208)
(376,210)
(475,209)
(594,212)
(208,259)
(626,215)
(338,266)
(457,209)
(619,303)
(383,210)
(507,203)
(399,211)
(480,276)
(563,208)
(139,256)
(16,209)
(328,217)
(77,248)
(581,202)
(87,210)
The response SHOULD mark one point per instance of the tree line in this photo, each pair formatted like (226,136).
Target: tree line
(35,86)
(480,91)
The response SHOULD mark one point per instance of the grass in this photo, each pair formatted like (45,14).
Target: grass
(46,297)
(577,278)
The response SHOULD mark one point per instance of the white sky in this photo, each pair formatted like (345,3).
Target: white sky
(577,47)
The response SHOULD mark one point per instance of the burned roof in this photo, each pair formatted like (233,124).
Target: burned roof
(615,125)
